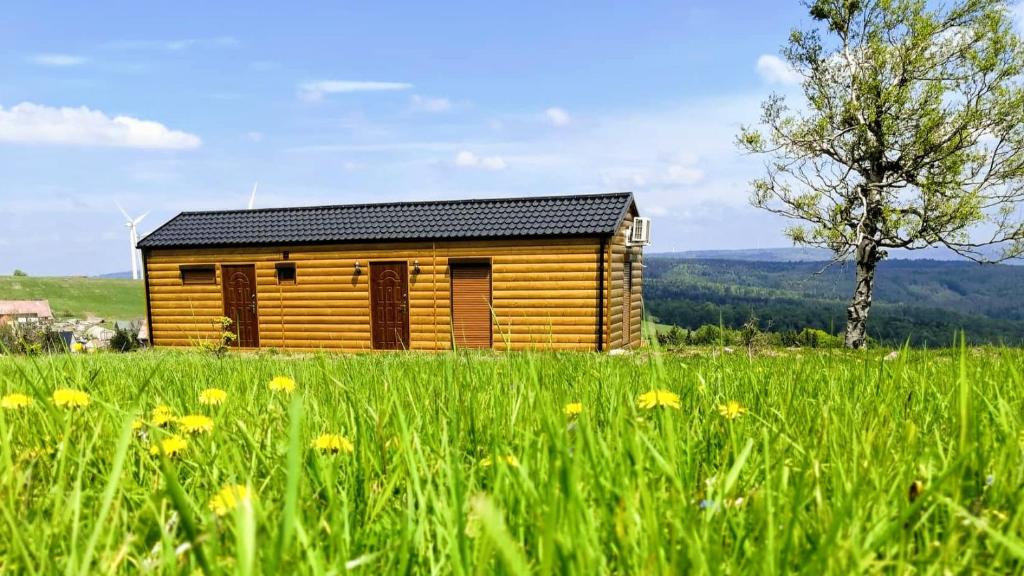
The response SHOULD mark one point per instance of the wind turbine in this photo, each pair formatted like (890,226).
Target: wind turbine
(133,239)
(252,197)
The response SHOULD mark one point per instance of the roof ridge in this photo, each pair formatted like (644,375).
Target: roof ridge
(415,203)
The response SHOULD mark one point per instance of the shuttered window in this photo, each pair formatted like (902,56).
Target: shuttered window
(285,272)
(471,305)
(198,274)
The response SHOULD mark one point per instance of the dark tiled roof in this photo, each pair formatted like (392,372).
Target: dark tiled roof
(581,215)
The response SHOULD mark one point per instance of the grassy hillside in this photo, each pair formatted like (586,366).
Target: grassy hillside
(925,301)
(80,297)
(469,464)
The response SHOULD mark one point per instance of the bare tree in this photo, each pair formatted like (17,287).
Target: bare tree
(911,134)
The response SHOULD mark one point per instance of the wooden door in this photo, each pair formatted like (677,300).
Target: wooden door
(389,305)
(240,304)
(627,303)
(471,305)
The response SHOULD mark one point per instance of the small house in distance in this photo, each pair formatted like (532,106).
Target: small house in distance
(24,311)
(557,272)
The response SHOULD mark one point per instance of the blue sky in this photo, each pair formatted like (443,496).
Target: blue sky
(171,106)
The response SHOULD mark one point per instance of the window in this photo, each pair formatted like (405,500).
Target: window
(199,274)
(285,272)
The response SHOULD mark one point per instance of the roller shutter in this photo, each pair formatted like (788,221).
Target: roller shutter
(471,305)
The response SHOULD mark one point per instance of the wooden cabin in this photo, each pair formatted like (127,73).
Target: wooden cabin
(558,272)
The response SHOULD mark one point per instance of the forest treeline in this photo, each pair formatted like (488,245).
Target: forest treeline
(924,301)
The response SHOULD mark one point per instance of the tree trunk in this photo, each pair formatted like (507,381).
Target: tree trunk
(857,313)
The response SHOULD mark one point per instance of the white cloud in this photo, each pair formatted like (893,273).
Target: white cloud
(410,146)
(178,45)
(186,43)
(58,60)
(254,136)
(425,104)
(557,116)
(666,171)
(313,91)
(30,123)
(682,174)
(775,70)
(467,159)
(624,178)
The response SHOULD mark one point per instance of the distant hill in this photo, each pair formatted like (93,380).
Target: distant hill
(80,297)
(805,254)
(923,300)
(752,255)
(127,274)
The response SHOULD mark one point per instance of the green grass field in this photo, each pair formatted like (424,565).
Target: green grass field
(79,297)
(470,465)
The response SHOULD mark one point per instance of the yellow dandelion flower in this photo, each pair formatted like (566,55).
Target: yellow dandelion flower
(15,401)
(333,443)
(170,446)
(731,410)
(229,498)
(196,423)
(162,416)
(282,384)
(573,408)
(212,396)
(137,424)
(509,459)
(37,453)
(77,347)
(916,488)
(70,398)
(655,398)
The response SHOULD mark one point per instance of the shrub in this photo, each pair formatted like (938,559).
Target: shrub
(30,338)
(750,333)
(789,338)
(814,338)
(710,335)
(125,339)
(222,345)
(19,272)
(674,337)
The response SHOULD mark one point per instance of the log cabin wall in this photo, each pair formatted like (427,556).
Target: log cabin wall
(544,293)
(636,338)
(617,252)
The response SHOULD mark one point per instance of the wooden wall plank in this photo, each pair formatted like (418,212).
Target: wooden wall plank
(544,294)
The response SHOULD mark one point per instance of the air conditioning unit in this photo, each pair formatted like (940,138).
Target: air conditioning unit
(640,232)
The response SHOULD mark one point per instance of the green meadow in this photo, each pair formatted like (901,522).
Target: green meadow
(80,297)
(828,463)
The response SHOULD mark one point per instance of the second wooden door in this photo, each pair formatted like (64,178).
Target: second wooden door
(240,304)
(389,303)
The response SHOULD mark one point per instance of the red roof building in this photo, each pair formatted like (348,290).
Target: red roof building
(24,311)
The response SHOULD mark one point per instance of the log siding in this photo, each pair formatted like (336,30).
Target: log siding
(618,248)
(543,293)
